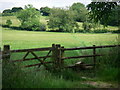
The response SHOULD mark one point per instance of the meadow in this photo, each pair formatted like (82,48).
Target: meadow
(29,39)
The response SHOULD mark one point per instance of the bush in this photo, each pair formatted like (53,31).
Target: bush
(79,31)
(33,25)
(101,31)
(116,31)
(87,26)
(8,22)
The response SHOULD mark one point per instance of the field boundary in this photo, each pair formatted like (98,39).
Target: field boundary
(57,57)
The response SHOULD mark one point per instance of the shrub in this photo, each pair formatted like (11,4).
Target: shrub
(101,31)
(87,26)
(8,22)
(33,25)
(116,31)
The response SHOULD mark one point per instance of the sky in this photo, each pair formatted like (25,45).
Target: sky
(8,4)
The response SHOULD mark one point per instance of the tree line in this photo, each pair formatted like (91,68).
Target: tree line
(66,20)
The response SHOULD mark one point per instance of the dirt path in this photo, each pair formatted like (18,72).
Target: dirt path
(99,84)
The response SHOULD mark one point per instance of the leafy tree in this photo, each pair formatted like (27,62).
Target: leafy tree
(80,11)
(101,11)
(114,18)
(7,11)
(45,11)
(29,18)
(16,9)
(62,20)
(8,22)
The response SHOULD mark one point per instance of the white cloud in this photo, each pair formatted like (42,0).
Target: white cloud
(5,4)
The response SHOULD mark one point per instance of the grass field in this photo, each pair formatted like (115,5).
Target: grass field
(29,39)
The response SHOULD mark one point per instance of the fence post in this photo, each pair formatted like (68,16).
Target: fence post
(56,55)
(6,53)
(94,58)
(62,55)
(0,56)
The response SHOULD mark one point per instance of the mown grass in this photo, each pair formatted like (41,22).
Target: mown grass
(30,39)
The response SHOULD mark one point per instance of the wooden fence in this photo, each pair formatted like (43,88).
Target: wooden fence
(57,57)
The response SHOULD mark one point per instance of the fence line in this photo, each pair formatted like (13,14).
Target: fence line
(57,57)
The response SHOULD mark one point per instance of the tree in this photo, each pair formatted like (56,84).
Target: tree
(8,22)
(101,11)
(29,18)
(7,11)
(16,9)
(62,20)
(45,11)
(80,11)
(114,18)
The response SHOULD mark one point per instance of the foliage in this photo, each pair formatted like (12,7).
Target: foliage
(100,31)
(16,9)
(7,11)
(8,22)
(45,11)
(62,19)
(29,18)
(101,11)
(87,26)
(10,12)
(114,18)
(80,11)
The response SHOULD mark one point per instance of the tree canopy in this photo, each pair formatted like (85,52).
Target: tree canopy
(62,20)
(101,11)
(45,11)
(80,11)
(16,9)
(29,18)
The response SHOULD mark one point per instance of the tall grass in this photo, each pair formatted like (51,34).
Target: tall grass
(14,77)
(109,66)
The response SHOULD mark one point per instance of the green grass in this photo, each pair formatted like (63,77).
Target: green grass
(30,39)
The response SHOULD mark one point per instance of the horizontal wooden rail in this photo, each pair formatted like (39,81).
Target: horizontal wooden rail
(90,47)
(34,49)
(81,56)
(35,64)
(28,59)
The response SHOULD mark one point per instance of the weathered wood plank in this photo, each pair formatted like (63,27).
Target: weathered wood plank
(28,59)
(34,49)
(80,56)
(36,64)
(91,47)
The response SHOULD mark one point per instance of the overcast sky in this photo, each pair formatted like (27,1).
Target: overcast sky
(8,4)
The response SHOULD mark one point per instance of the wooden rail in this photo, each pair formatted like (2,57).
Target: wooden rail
(91,47)
(80,56)
(34,49)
